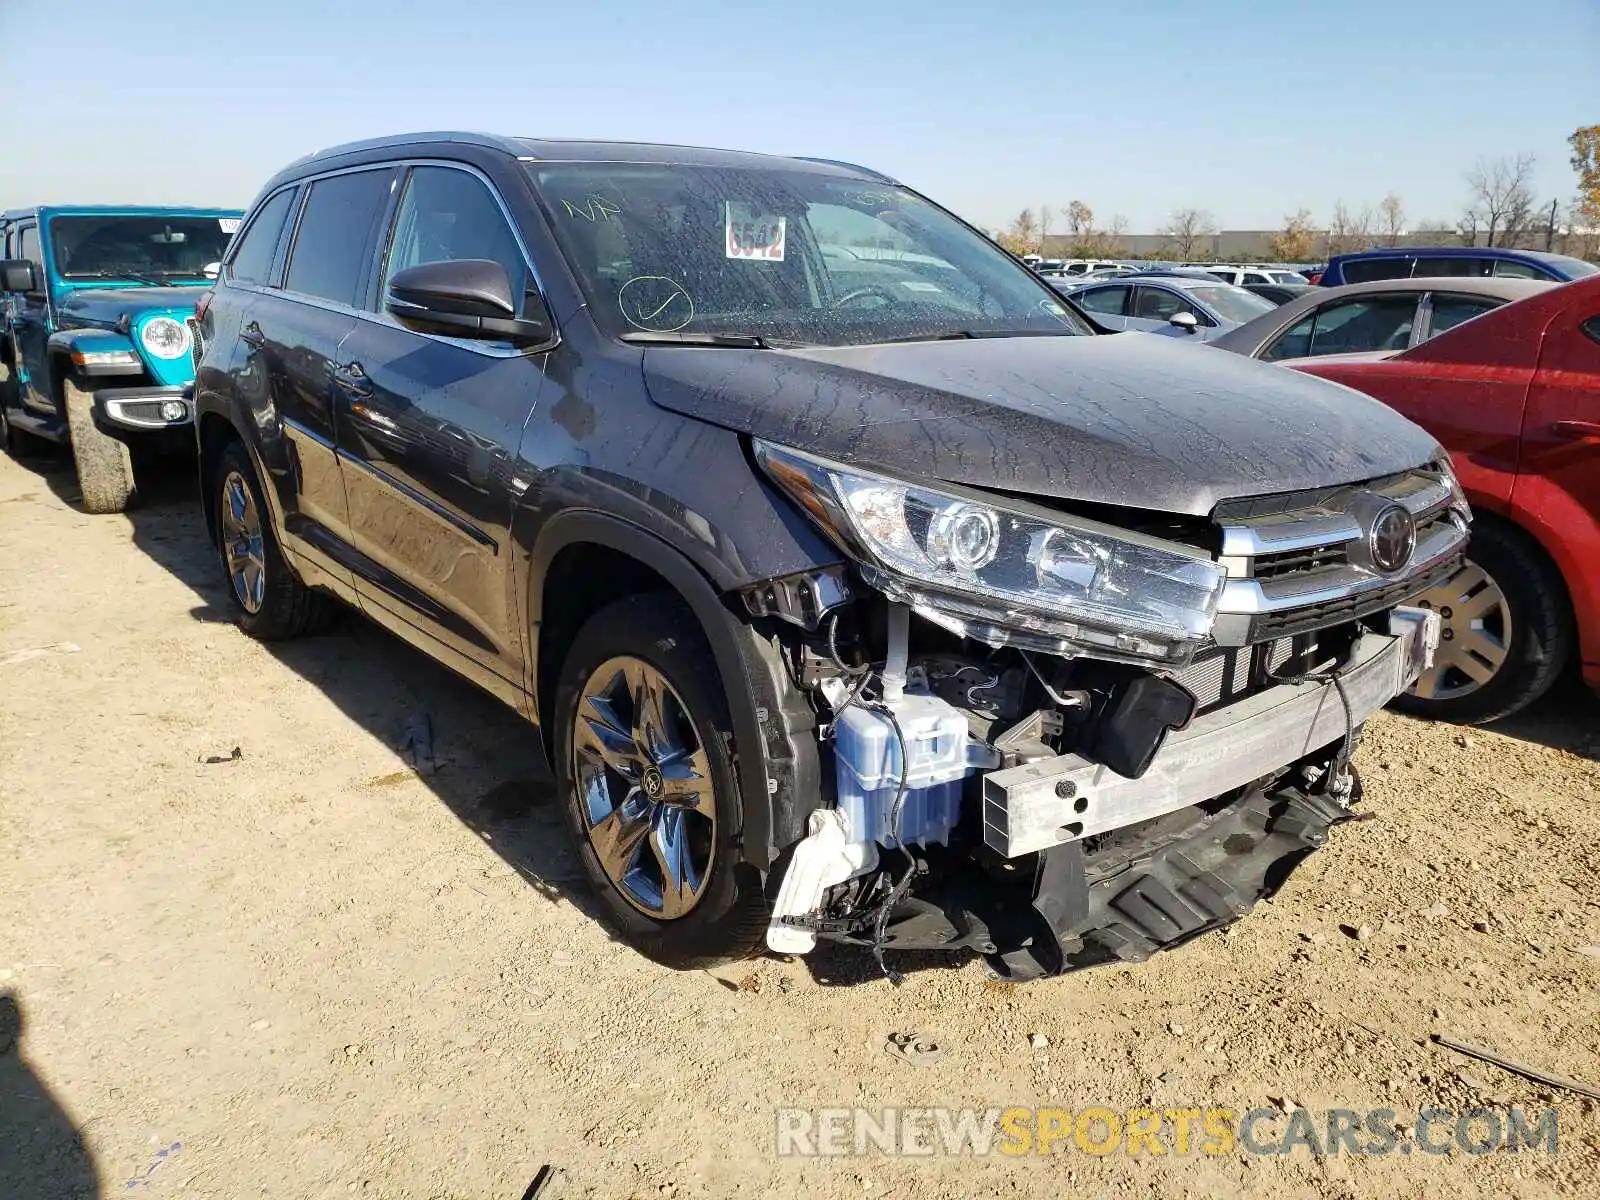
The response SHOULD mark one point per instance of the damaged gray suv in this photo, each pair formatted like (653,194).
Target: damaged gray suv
(856,589)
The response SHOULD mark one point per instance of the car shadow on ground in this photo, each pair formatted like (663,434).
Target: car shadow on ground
(42,1153)
(486,764)
(1567,719)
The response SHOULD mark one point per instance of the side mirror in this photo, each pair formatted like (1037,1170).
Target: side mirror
(1185,321)
(468,298)
(19,275)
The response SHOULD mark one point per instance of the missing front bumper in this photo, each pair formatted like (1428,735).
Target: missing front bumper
(1065,799)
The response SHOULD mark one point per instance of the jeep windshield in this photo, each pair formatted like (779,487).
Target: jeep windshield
(784,256)
(141,248)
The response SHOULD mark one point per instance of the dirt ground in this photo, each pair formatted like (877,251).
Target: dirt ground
(306,970)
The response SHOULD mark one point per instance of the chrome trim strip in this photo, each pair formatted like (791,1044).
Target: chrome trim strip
(1251,597)
(422,501)
(1254,540)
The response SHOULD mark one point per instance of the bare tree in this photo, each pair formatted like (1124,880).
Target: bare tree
(1080,218)
(1392,212)
(1187,230)
(1502,200)
(1022,235)
(1349,231)
(1047,217)
(1297,242)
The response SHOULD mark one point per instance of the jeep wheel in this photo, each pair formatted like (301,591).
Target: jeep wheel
(105,468)
(269,602)
(647,786)
(1507,631)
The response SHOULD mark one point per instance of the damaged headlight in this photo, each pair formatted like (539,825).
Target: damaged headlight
(1004,575)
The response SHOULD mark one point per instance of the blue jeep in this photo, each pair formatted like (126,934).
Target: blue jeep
(95,335)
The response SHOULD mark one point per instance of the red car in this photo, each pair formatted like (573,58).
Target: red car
(1514,395)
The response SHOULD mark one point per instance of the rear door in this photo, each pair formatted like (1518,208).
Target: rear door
(429,427)
(297,331)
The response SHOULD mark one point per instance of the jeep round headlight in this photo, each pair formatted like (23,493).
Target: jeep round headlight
(165,338)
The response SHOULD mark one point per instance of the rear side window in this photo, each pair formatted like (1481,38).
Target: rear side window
(1454,268)
(1110,301)
(1347,327)
(1450,311)
(1365,270)
(334,241)
(252,261)
(1591,329)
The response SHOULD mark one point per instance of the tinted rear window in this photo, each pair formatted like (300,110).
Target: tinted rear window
(1365,270)
(1454,268)
(334,241)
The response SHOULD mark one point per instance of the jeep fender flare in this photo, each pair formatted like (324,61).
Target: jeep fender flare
(63,343)
(775,749)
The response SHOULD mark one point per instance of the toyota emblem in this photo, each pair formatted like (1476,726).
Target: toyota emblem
(1393,539)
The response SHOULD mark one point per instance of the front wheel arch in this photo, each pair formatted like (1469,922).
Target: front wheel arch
(775,755)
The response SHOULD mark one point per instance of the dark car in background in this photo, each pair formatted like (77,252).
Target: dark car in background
(1434,262)
(1361,318)
(95,335)
(853,596)
(1278,293)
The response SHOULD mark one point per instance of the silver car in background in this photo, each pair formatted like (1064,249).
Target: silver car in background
(1188,306)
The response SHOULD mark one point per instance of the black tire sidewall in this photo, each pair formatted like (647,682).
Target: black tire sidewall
(284,599)
(660,630)
(1541,628)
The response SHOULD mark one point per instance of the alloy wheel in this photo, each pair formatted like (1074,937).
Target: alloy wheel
(243,552)
(1476,635)
(645,787)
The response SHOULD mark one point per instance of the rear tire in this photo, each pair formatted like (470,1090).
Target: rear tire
(721,912)
(269,602)
(1511,601)
(105,468)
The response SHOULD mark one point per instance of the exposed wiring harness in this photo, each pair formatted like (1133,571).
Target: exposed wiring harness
(1334,783)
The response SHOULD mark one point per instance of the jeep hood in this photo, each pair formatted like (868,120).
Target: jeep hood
(105,306)
(1128,419)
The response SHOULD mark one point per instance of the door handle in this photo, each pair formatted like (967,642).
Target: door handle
(1578,431)
(251,335)
(352,379)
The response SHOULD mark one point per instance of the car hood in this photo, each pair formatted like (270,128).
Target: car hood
(1130,419)
(107,306)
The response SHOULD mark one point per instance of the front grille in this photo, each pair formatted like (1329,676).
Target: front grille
(1303,561)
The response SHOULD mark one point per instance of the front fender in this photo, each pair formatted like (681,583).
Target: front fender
(97,352)
(775,746)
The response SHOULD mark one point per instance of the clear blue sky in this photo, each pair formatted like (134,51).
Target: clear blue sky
(1247,108)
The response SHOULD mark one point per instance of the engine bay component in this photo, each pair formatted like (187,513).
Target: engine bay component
(827,856)
(1042,804)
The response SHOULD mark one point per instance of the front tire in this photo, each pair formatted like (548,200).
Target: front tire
(1508,631)
(269,602)
(647,787)
(105,468)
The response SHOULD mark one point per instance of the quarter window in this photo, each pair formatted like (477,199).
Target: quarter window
(334,242)
(447,215)
(252,261)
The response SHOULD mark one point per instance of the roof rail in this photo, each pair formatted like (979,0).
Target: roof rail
(850,166)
